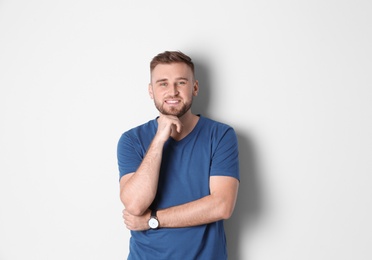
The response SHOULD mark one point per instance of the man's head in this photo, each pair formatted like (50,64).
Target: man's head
(173,84)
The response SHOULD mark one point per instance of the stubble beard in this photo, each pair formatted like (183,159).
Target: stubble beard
(172,111)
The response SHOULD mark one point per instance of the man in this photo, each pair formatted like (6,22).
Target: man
(179,173)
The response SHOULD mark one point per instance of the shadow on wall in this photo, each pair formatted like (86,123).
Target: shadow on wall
(249,203)
(201,102)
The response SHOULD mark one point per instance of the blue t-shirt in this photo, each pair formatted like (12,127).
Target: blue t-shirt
(211,149)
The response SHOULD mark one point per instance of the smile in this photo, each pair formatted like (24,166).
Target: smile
(172,102)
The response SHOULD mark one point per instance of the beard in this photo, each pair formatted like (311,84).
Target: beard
(173,111)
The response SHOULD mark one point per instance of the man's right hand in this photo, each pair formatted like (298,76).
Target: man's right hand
(167,126)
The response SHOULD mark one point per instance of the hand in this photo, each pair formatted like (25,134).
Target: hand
(167,124)
(136,223)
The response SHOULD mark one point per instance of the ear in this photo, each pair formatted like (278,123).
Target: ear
(195,89)
(151,93)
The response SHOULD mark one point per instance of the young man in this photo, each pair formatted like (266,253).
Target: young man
(179,173)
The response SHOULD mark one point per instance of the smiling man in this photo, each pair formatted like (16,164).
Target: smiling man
(179,172)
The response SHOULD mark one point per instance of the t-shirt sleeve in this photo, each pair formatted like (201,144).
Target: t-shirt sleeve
(128,156)
(225,159)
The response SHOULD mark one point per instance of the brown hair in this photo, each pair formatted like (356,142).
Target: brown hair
(168,57)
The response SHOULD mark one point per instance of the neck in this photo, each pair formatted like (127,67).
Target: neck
(188,118)
(188,121)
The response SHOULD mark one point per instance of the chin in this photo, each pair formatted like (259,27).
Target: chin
(173,111)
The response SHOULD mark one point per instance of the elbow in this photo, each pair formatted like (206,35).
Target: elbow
(135,211)
(132,206)
(226,210)
(226,213)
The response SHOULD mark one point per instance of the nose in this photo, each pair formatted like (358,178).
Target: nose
(174,90)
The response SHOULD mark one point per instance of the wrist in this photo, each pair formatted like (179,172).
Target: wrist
(153,222)
(159,139)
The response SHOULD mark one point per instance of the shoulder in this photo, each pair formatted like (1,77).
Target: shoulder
(215,126)
(140,134)
(213,122)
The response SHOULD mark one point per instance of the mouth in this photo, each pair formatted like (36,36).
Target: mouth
(172,102)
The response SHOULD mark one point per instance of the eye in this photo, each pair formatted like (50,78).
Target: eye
(182,83)
(163,84)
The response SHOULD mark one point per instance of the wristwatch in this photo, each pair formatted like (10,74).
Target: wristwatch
(153,221)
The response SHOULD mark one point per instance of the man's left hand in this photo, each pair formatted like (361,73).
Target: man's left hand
(136,223)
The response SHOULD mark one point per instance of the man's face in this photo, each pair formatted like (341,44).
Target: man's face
(172,88)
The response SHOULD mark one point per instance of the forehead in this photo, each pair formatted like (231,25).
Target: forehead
(171,71)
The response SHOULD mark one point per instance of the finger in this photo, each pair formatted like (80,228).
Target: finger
(179,127)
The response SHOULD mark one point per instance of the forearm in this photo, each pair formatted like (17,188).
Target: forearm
(139,189)
(202,211)
(219,205)
(186,215)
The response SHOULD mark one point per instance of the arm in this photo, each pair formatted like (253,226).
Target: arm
(138,189)
(216,206)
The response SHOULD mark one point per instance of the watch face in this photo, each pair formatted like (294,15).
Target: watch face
(153,223)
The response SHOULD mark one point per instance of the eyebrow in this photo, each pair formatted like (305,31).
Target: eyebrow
(179,78)
(182,78)
(161,80)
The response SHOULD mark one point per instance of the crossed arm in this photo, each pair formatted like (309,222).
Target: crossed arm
(216,206)
(138,190)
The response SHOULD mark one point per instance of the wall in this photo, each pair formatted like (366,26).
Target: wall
(292,77)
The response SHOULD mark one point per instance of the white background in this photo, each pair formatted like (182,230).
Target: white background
(292,77)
